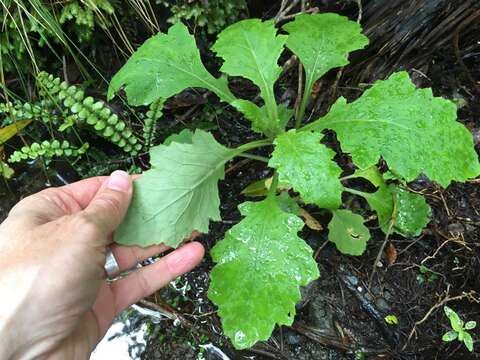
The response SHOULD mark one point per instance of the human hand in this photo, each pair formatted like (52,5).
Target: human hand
(55,300)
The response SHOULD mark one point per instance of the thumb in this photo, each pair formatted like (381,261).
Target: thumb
(110,204)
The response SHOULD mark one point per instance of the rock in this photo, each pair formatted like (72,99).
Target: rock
(319,314)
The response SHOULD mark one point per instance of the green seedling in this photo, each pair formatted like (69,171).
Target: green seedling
(426,275)
(459,329)
(391,319)
(5,170)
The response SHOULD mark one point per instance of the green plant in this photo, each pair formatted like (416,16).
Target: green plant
(41,111)
(459,329)
(12,49)
(152,115)
(214,14)
(28,27)
(35,32)
(85,111)
(425,274)
(262,262)
(58,121)
(47,150)
(391,319)
(84,15)
(5,170)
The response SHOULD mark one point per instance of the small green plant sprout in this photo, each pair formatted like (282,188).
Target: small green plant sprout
(262,261)
(391,319)
(425,274)
(5,170)
(459,329)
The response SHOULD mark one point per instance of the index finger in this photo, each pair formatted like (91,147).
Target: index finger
(52,203)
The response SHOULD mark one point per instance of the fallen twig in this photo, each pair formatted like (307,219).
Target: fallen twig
(332,341)
(388,333)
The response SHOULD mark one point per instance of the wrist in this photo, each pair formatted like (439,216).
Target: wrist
(15,321)
(10,336)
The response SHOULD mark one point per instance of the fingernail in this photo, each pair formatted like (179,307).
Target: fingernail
(119,180)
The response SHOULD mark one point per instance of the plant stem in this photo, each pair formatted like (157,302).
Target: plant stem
(253,145)
(254,157)
(273,187)
(357,192)
(270,103)
(299,98)
(303,104)
(352,176)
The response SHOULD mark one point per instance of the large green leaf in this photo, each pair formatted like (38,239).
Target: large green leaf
(251,48)
(260,265)
(412,130)
(322,42)
(183,137)
(307,165)
(163,66)
(347,232)
(178,194)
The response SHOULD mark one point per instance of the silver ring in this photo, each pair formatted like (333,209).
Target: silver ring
(111,265)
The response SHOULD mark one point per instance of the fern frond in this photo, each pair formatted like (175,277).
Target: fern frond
(48,150)
(153,114)
(94,114)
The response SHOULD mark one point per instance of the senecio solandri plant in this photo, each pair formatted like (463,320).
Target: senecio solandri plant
(262,262)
